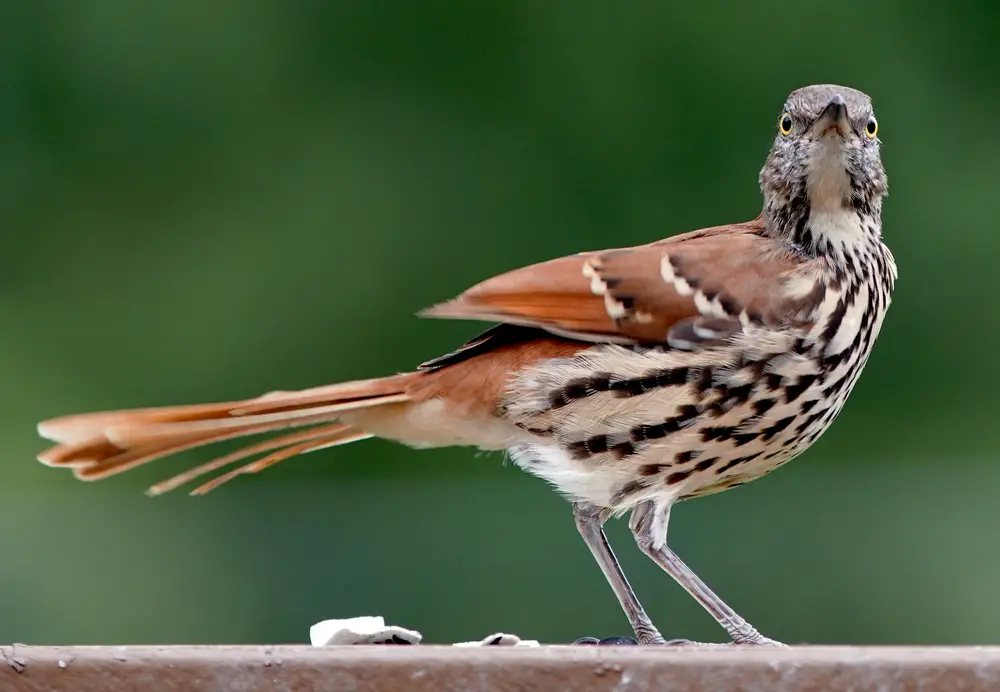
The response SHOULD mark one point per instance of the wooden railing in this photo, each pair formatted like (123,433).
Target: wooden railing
(441,669)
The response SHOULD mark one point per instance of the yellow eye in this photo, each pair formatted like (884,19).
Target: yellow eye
(871,129)
(785,124)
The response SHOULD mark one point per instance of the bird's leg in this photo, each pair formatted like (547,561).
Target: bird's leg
(589,522)
(648,524)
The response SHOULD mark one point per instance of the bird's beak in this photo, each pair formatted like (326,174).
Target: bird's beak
(834,117)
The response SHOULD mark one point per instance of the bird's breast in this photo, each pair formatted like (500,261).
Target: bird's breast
(623,425)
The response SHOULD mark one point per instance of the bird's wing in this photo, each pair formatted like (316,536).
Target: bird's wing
(688,291)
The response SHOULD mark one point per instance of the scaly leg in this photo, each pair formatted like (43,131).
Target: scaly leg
(589,521)
(648,524)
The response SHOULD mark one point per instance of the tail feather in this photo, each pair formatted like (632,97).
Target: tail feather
(78,453)
(320,436)
(331,440)
(343,392)
(98,445)
(80,427)
(129,434)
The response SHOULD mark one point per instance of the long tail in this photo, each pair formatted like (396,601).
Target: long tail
(98,445)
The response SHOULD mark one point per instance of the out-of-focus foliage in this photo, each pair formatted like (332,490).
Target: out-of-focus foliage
(208,200)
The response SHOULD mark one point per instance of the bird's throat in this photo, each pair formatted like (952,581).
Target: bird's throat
(837,232)
(828,183)
(818,228)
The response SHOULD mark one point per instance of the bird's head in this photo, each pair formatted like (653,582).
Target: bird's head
(825,159)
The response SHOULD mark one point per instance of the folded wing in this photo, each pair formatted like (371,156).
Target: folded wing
(688,290)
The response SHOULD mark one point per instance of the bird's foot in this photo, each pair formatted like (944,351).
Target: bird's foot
(660,641)
(759,640)
(615,640)
(657,640)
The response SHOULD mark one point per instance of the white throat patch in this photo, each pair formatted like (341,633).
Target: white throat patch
(827,183)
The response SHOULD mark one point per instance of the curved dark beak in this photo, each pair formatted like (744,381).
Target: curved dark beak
(833,117)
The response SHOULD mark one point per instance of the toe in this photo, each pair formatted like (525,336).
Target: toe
(618,640)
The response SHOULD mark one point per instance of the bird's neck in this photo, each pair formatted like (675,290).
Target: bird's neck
(842,233)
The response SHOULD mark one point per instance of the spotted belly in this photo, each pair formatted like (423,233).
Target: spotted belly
(618,426)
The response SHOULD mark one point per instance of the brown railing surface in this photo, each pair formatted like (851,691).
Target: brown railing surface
(440,669)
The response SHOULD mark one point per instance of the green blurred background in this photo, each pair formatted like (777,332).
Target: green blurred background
(205,200)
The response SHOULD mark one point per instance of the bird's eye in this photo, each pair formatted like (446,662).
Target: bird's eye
(785,124)
(871,129)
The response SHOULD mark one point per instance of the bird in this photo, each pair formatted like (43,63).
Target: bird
(629,378)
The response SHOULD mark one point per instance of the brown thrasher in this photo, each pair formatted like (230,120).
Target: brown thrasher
(628,378)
